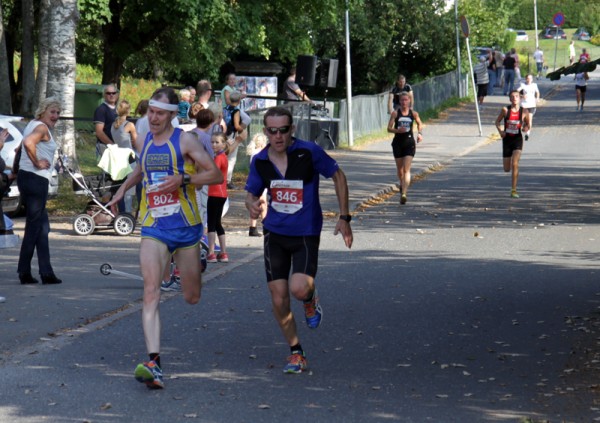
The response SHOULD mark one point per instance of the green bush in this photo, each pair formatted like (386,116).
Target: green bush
(595,40)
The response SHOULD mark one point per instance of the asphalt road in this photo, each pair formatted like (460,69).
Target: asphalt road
(462,306)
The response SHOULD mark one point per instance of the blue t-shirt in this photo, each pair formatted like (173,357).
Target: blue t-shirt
(293,198)
(184,108)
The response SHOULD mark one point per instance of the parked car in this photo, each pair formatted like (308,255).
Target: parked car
(12,203)
(482,52)
(522,35)
(581,34)
(553,32)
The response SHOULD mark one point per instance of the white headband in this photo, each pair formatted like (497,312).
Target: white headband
(164,106)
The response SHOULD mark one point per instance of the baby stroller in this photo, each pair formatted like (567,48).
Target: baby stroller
(96,215)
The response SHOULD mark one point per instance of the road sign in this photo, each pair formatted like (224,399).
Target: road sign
(558,19)
(464,25)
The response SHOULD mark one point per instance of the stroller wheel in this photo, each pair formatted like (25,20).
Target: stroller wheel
(105,269)
(203,254)
(124,224)
(83,224)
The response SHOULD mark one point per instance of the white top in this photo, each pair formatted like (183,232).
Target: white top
(44,150)
(142,127)
(538,56)
(580,79)
(529,101)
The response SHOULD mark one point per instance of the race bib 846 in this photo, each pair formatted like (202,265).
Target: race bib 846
(286,196)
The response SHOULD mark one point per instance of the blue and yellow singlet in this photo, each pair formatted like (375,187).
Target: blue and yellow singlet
(161,210)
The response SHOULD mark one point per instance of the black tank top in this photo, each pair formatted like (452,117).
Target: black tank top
(405,122)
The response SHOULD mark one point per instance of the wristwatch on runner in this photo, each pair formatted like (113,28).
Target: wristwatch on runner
(187,179)
(346,217)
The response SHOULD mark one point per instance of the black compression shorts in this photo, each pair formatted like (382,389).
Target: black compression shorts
(298,253)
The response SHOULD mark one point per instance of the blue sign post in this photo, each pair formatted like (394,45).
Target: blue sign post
(558,19)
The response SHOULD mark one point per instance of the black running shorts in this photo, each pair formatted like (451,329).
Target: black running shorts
(404,147)
(510,144)
(298,253)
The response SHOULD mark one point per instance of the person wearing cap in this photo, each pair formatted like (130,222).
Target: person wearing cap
(482,79)
(172,164)
(581,79)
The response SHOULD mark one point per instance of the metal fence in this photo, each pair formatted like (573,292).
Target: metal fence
(370,112)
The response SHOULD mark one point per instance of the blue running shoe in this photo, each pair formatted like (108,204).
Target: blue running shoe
(150,374)
(172,285)
(313,311)
(296,364)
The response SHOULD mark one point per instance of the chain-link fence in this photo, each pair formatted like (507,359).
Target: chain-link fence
(370,112)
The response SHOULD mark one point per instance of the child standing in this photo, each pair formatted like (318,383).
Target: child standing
(217,196)
(258,142)
(184,106)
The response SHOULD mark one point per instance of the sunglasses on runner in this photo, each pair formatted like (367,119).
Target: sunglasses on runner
(111,93)
(281,130)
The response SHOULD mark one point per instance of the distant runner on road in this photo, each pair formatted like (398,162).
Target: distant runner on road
(404,146)
(512,121)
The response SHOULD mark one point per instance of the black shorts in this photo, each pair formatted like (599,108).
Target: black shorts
(298,253)
(404,147)
(510,144)
(581,88)
(531,110)
(482,90)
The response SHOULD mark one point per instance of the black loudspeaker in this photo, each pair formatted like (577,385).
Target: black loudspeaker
(306,70)
(328,71)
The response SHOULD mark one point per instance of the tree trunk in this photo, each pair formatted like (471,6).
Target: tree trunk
(41,81)
(112,65)
(27,62)
(5,103)
(61,68)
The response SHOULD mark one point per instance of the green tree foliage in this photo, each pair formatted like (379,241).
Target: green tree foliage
(398,36)
(387,37)
(577,13)
(589,17)
(489,20)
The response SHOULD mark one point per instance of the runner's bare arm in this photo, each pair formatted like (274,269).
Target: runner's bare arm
(207,172)
(132,180)
(255,205)
(500,120)
(419,126)
(392,123)
(341,191)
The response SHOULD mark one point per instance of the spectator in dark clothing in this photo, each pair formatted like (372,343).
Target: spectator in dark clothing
(104,117)
(509,73)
